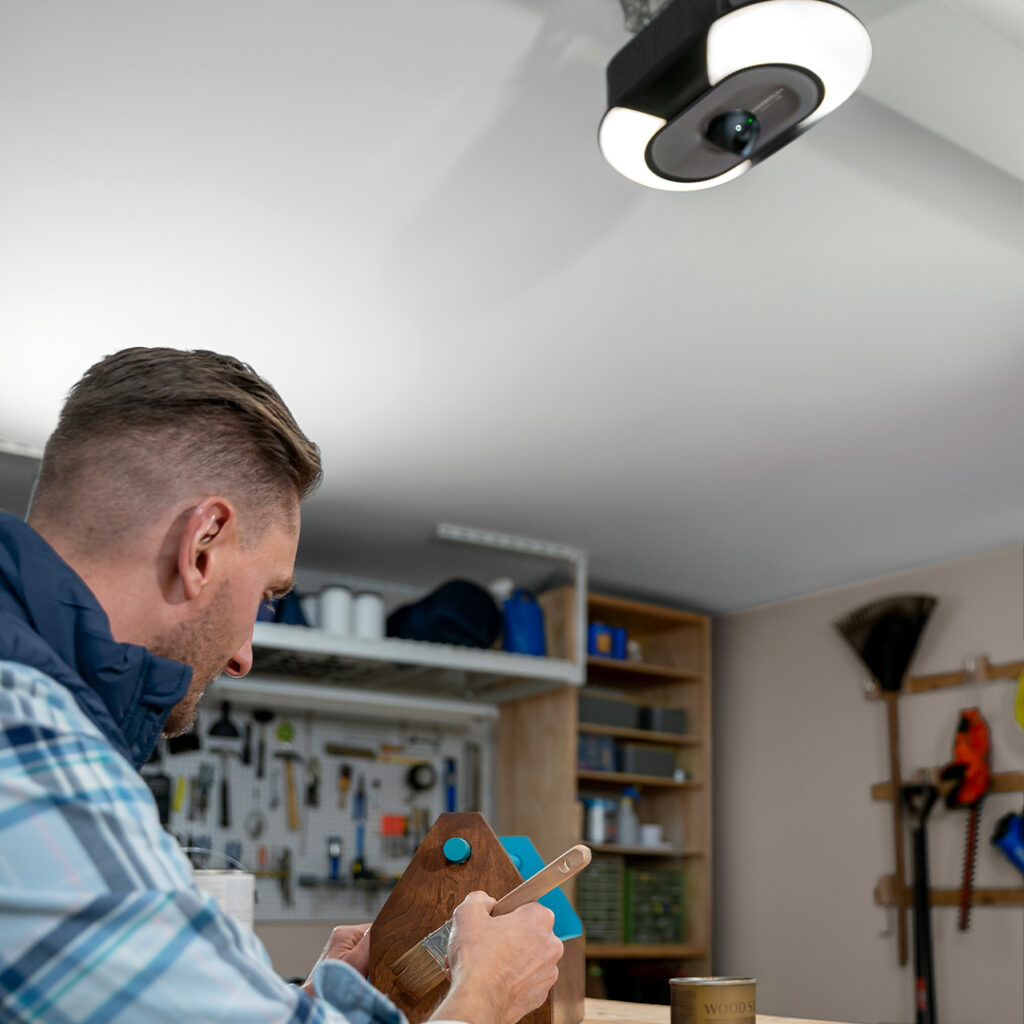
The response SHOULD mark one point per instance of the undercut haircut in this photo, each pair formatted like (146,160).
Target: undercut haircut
(146,426)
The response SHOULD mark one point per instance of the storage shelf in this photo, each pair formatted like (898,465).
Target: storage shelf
(314,655)
(669,852)
(625,669)
(640,951)
(618,778)
(646,735)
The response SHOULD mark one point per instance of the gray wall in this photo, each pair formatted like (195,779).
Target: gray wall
(800,845)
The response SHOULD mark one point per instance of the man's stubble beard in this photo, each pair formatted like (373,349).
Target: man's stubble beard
(200,645)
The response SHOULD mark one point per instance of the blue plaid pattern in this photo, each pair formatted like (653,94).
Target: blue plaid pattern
(99,920)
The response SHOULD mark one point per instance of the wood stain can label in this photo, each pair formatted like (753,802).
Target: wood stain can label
(712,1000)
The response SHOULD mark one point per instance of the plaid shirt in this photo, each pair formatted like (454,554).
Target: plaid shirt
(99,919)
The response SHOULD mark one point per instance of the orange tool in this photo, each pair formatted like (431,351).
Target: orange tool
(971,772)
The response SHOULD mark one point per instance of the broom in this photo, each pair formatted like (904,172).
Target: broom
(884,633)
(421,968)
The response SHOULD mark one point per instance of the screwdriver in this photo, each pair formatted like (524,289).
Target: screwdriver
(344,782)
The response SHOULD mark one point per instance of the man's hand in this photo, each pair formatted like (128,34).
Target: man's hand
(500,968)
(348,942)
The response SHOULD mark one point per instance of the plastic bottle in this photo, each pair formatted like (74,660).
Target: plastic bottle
(626,823)
(595,821)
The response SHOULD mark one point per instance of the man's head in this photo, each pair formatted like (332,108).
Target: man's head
(172,486)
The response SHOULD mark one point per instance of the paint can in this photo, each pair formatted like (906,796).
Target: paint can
(712,1000)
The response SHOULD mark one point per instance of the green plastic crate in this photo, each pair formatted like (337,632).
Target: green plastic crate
(655,902)
(599,899)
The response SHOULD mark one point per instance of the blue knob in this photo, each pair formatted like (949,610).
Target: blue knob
(456,850)
(517,861)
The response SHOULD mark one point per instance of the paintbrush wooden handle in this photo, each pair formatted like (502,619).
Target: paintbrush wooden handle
(549,876)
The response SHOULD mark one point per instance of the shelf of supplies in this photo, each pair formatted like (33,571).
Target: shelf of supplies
(669,852)
(624,668)
(646,735)
(1002,782)
(314,655)
(627,778)
(642,951)
(885,895)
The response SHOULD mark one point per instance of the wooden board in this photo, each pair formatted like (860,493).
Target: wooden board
(426,896)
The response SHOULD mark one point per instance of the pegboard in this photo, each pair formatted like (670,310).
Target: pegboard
(459,761)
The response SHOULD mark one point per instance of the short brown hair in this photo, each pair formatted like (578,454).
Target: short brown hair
(144,423)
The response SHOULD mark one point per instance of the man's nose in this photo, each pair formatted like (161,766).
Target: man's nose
(241,663)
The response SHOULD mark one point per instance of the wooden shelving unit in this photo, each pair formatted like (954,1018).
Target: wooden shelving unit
(537,754)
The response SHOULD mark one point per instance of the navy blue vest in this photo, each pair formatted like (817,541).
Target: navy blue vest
(50,620)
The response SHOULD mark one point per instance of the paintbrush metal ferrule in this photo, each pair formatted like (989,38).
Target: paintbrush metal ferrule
(436,943)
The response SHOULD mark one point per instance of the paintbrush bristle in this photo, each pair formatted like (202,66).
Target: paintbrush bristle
(421,968)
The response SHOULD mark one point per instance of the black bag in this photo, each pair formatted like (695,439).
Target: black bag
(458,612)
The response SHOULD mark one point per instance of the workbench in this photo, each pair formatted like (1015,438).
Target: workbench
(606,1011)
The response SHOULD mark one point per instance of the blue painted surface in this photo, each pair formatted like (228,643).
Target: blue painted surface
(529,862)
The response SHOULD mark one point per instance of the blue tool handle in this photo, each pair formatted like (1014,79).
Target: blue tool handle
(1009,837)
(449,778)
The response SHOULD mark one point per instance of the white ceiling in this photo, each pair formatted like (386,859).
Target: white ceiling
(398,213)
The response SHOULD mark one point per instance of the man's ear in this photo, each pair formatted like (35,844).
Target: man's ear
(210,527)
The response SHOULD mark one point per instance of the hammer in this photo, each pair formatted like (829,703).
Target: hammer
(287,753)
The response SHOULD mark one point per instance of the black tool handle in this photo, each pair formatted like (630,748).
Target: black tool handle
(225,814)
(261,754)
(247,745)
(924,971)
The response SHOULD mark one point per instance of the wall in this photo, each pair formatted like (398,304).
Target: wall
(799,844)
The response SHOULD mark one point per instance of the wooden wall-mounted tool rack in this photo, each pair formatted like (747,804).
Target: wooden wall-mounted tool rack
(981,671)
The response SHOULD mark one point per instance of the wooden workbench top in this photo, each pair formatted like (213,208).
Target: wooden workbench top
(605,1011)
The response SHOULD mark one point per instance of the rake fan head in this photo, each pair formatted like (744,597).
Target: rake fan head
(884,633)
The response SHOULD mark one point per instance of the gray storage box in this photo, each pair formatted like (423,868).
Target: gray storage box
(608,711)
(641,759)
(663,719)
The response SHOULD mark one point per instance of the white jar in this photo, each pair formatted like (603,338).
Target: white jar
(336,610)
(310,604)
(368,615)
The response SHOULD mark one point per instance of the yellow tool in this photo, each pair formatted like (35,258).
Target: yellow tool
(1018,703)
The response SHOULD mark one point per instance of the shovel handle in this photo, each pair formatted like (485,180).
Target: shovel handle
(551,875)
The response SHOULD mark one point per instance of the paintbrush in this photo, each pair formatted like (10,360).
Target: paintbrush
(421,968)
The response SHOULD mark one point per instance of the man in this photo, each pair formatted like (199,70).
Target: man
(166,510)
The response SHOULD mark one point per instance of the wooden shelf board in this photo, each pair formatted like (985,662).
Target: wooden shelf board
(1002,782)
(885,895)
(646,735)
(619,778)
(639,951)
(645,851)
(625,668)
(656,613)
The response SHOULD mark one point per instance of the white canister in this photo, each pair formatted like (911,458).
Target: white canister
(234,891)
(650,835)
(310,604)
(335,610)
(368,615)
